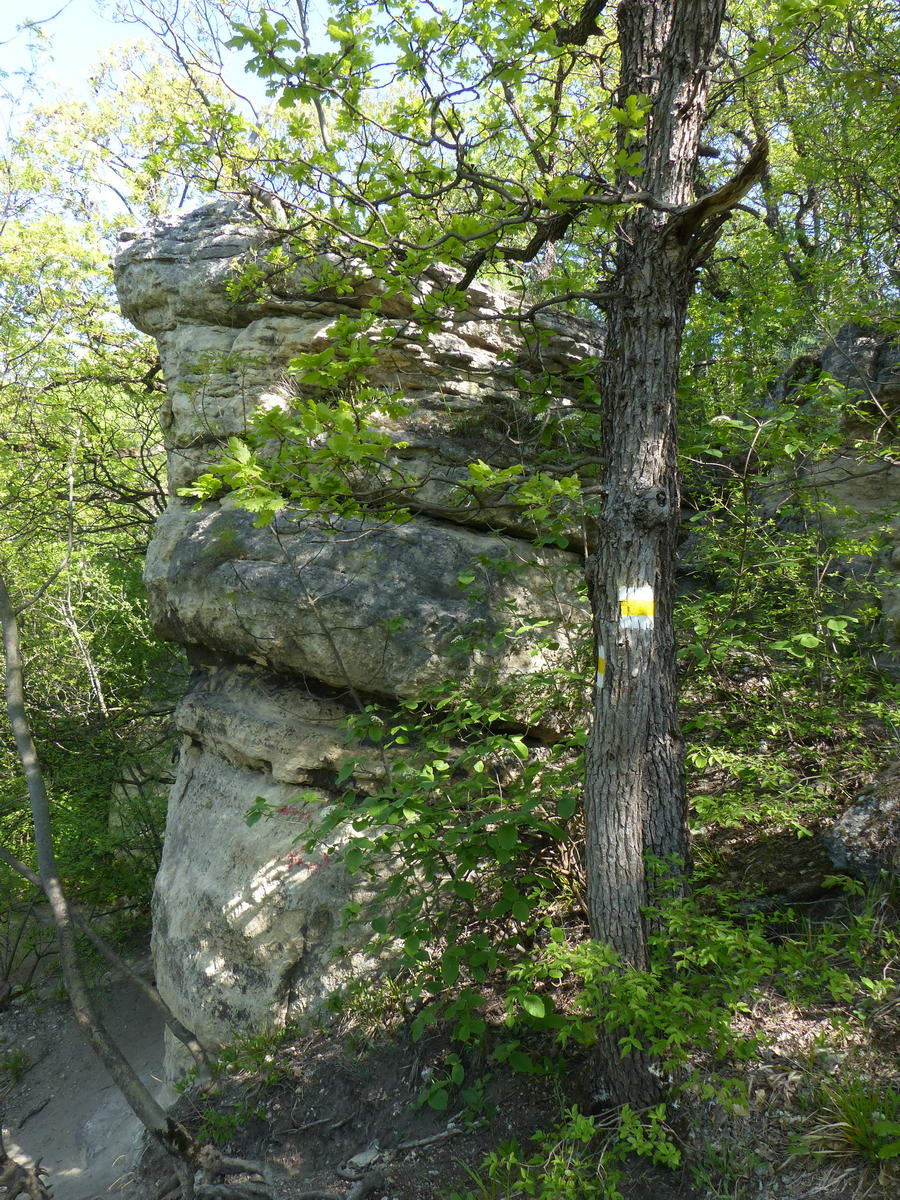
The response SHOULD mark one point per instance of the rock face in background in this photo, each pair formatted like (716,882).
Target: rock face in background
(292,627)
(857,494)
(866,839)
(857,491)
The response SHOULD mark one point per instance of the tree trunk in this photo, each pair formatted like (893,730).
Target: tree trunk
(635,800)
(169,1133)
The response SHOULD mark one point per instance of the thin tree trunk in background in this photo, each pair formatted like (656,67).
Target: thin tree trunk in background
(198,1051)
(634,794)
(172,1136)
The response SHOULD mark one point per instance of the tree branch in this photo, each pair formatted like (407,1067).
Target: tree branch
(584,28)
(719,203)
(171,1135)
(184,1035)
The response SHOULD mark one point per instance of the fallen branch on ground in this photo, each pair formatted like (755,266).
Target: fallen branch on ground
(372,1181)
(19,1180)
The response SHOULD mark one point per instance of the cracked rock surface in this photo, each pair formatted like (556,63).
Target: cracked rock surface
(292,627)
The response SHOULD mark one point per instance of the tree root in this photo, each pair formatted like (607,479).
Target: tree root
(21,1181)
(233,1191)
(211,1183)
(361,1189)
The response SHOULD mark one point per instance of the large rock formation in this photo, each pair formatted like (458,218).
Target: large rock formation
(292,626)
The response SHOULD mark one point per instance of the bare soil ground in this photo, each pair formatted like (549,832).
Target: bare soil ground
(344,1112)
(345,1109)
(58,1104)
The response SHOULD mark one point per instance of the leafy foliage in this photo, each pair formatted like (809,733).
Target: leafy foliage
(489,135)
(81,482)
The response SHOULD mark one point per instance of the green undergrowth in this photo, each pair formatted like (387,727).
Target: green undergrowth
(471,838)
(470,833)
(467,834)
(99,702)
(242,1073)
(580,1158)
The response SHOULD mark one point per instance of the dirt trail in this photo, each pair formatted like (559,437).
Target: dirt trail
(65,1109)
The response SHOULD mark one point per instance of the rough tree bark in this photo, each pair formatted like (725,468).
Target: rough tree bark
(635,800)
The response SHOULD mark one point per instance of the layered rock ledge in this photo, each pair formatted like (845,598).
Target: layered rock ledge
(292,627)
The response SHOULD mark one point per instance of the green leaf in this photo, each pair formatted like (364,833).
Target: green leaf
(505,836)
(464,889)
(566,807)
(353,859)
(809,640)
(534,1005)
(337,33)
(522,1062)
(450,970)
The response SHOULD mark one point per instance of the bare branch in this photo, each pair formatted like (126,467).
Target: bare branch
(584,28)
(100,943)
(172,1136)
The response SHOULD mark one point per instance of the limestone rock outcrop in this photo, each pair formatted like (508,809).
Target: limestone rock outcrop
(865,840)
(292,627)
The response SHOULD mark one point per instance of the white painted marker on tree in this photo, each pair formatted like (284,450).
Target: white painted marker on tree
(601,667)
(636,607)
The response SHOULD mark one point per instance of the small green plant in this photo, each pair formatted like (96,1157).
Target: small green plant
(436,1093)
(855,1117)
(579,1159)
(646,1135)
(566,1164)
(252,1064)
(220,1125)
(15,1064)
(727,1169)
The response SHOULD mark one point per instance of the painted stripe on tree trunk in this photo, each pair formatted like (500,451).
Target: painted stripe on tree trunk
(601,666)
(636,607)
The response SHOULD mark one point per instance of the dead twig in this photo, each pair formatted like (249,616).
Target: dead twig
(232,1191)
(369,1183)
(429,1141)
(19,1180)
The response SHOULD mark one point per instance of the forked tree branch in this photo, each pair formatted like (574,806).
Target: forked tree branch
(712,208)
(584,28)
